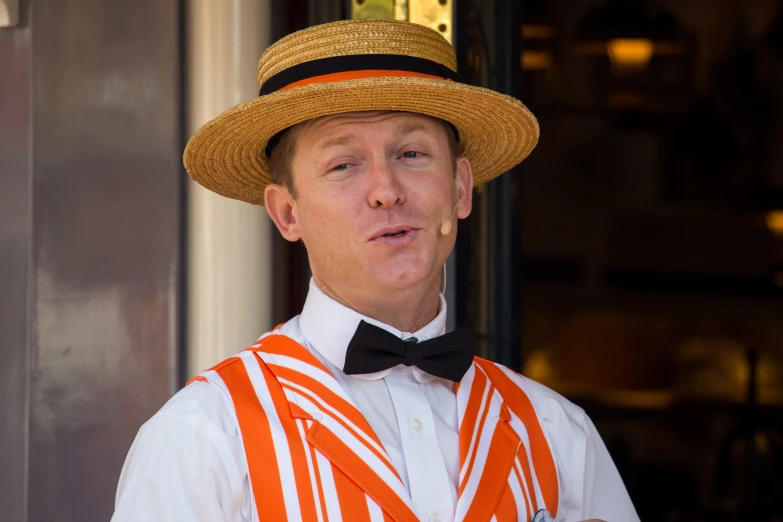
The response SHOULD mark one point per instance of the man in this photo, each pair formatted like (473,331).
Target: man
(365,145)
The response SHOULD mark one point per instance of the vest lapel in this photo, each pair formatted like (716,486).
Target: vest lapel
(336,428)
(488,446)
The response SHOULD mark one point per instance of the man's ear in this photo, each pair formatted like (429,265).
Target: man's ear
(281,207)
(464,180)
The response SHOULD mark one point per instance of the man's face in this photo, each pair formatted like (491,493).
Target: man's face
(373,189)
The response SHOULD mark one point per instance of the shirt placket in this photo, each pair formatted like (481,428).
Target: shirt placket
(427,475)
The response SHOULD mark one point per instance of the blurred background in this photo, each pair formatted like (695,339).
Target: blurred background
(634,263)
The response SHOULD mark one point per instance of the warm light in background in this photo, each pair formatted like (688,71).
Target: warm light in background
(535,60)
(775,222)
(537,32)
(630,54)
(539,368)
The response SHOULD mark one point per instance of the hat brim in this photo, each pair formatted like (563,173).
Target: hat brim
(227,156)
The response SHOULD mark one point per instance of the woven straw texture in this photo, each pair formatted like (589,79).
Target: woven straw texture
(227,156)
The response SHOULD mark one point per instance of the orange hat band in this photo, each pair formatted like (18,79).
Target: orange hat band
(356,75)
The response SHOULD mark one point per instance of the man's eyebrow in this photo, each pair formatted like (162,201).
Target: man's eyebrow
(407,127)
(340,140)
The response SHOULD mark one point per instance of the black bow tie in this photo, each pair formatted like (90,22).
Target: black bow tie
(373,349)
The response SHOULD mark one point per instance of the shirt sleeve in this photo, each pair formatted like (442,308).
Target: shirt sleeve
(176,471)
(605,496)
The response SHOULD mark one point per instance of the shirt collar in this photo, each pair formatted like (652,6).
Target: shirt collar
(328,326)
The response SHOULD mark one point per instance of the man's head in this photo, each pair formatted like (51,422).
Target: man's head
(354,66)
(368,192)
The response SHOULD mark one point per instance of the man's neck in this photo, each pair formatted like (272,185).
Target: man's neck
(407,310)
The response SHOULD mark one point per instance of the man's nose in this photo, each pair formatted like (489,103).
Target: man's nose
(386,190)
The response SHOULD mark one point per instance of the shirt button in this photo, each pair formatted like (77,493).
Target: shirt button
(416,426)
(433,517)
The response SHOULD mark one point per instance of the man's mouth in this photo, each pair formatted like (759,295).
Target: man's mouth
(396,237)
(394,234)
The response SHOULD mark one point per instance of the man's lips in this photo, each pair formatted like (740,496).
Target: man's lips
(394,230)
(399,235)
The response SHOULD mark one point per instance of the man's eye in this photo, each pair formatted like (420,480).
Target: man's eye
(411,154)
(342,166)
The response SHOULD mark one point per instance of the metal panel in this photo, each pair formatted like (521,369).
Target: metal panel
(15,258)
(435,14)
(107,225)
(376,9)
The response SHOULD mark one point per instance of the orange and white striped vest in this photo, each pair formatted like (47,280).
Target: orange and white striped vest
(312,456)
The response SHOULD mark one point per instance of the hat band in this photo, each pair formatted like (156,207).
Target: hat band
(356,75)
(341,68)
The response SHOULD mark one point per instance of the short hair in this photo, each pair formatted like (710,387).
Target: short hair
(282,147)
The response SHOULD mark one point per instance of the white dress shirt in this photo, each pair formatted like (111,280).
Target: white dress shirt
(187,462)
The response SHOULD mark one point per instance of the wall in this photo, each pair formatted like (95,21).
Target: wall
(90,193)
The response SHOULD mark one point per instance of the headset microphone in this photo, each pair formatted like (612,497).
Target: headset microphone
(445,228)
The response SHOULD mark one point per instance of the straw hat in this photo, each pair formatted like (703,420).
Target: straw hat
(356,65)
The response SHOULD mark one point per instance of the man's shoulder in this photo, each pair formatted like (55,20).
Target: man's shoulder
(205,399)
(199,404)
(551,406)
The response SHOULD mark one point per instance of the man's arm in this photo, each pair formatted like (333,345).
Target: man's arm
(177,471)
(605,495)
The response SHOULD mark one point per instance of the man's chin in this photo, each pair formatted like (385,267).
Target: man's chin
(399,278)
